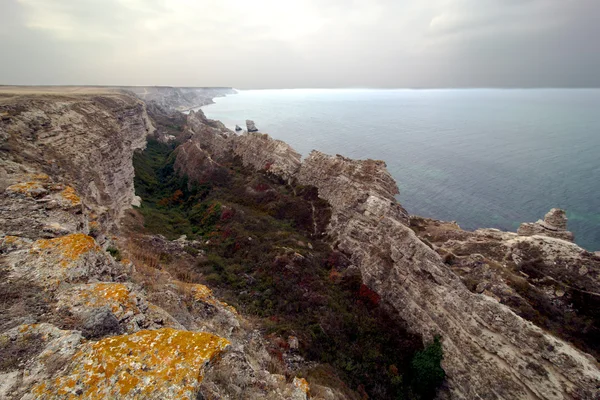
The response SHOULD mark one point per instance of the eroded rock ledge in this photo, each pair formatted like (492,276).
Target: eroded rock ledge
(489,351)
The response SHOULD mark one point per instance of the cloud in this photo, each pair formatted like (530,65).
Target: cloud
(301,43)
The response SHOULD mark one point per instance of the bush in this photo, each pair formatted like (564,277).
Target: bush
(114,252)
(427,373)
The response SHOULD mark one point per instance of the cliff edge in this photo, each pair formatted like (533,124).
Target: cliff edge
(489,351)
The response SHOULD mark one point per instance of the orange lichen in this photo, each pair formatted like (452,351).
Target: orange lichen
(26,188)
(204,294)
(165,363)
(38,177)
(115,295)
(68,248)
(301,384)
(70,195)
(10,241)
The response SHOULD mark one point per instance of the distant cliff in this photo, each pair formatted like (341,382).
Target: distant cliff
(180,99)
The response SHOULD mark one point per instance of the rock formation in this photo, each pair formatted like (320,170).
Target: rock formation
(87,141)
(553,225)
(489,351)
(237,128)
(250,126)
(77,321)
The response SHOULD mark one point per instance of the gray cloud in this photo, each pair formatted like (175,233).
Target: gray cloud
(301,43)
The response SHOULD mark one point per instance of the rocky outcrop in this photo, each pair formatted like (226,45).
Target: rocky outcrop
(549,281)
(251,126)
(553,225)
(263,153)
(86,140)
(78,321)
(237,128)
(489,351)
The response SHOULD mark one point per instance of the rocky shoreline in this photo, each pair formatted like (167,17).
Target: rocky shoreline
(501,302)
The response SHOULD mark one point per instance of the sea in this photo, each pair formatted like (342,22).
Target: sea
(485,158)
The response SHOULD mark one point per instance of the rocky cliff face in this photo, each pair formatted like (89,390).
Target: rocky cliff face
(78,321)
(86,140)
(74,321)
(489,351)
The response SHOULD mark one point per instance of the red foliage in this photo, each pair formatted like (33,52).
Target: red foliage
(174,199)
(334,275)
(268,165)
(227,232)
(227,214)
(261,187)
(368,295)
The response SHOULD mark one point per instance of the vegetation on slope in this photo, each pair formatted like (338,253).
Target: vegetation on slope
(265,253)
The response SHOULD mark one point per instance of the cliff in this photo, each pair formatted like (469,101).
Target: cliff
(96,304)
(489,350)
(178,98)
(89,310)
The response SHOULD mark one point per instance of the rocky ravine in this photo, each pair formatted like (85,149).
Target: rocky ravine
(74,321)
(489,351)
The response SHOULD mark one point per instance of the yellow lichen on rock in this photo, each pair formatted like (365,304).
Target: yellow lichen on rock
(68,248)
(28,189)
(301,384)
(204,294)
(41,177)
(165,363)
(115,295)
(70,196)
(11,242)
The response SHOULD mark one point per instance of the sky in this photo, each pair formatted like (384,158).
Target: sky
(254,44)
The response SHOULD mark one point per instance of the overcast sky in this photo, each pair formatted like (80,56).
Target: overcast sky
(301,43)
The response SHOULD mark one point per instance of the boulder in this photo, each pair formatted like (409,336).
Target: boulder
(251,126)
(237,128)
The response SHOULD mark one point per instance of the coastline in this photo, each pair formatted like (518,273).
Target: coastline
(480,182)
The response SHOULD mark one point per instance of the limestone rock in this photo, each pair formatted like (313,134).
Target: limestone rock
(237,128)
(51,263)
(264,153)
(86,140)
(553,225)
(161,364)
(556,218)
(128,306)
(43,350)
(487,353)
(250,126)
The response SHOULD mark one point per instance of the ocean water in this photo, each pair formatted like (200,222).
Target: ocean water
(481,157)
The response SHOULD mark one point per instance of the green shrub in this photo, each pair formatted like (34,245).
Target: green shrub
(114,252)
(426,370)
